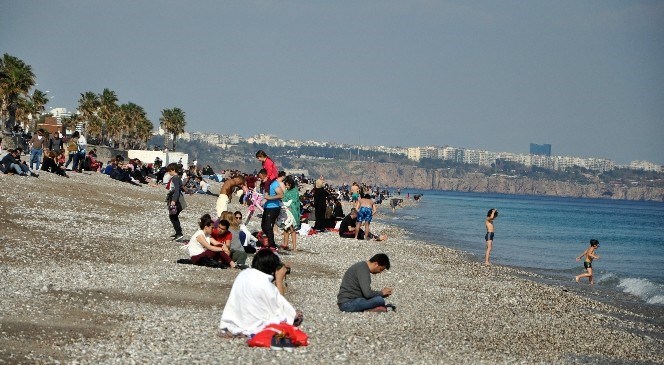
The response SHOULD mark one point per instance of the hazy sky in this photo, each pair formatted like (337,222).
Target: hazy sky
(585,76)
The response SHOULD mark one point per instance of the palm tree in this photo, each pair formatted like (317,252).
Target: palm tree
(16,79)
(108,112)
(70,122)
(88,106)
(25,109)
(143,133)
(172,121)
(133,125)
(39,101)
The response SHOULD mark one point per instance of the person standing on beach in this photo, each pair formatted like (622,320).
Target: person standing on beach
(37,144)
(488,237)
(271,207)
(173,199)
(366,208)
(590,255)
(225,193)
(354,192)
(320,204)
(355,293)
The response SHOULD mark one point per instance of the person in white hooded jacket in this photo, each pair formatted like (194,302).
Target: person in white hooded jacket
(255,301)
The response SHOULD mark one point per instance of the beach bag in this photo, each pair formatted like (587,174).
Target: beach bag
(82,145)
(282,219)
(264,337)
(183,203)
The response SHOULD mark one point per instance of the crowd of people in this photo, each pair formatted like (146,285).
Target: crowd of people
(257,296)
(224,241)
(52,154)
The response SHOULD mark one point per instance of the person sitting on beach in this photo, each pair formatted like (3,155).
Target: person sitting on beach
(92,163)
(355,293)
(365,211)
(203,245)
(237,252)
(60,158)
(225,193)
(50,165)
(348,226)
(257,298)
(247,239)
(12,163)
(590,255)
(203,186)
(338,210)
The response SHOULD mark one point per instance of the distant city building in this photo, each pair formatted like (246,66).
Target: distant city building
(540,149)
(540,155)
(645,165)
(59,113)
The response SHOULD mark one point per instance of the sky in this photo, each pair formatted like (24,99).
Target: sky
(586,77)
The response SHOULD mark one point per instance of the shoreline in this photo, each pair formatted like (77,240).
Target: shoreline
(90,277)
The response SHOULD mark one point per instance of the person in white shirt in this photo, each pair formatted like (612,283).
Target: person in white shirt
(255,301)
(202,245)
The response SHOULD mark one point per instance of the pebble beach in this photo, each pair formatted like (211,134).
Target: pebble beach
(90,276)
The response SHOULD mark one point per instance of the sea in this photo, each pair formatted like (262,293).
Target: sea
(544,235)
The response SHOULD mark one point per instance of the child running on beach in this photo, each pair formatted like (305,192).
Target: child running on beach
(590,255)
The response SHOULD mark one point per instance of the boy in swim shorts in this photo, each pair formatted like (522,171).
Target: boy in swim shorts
(488,237)
(365,211)
(590,255)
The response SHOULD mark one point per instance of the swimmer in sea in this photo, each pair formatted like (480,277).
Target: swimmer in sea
(590,255)
(488,237)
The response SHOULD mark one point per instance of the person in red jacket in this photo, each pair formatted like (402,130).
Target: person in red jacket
(269,166)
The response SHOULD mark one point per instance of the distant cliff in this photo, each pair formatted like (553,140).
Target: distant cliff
(394,175)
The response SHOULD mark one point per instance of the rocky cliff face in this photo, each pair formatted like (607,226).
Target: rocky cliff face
(394,175)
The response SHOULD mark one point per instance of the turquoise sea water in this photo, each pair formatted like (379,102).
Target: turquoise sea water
(545,234)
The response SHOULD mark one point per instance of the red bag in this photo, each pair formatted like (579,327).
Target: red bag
(264,337)
(297,336)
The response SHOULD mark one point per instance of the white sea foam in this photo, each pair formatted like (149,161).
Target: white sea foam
(651,292)
(657,299)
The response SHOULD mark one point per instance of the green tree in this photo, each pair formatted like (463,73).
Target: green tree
(16,79)
(173,122)
(135,127)
(39,101)
(108,113)
(88,107)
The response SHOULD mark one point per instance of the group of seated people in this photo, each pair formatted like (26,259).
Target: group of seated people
(257,300)
(52,161)
(11,163)
(132,171)
(225,242)
(194,183)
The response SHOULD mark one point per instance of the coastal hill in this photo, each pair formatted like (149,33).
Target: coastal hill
(397,175)
(398,172)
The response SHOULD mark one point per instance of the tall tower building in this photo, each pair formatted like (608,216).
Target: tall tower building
(540,149)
